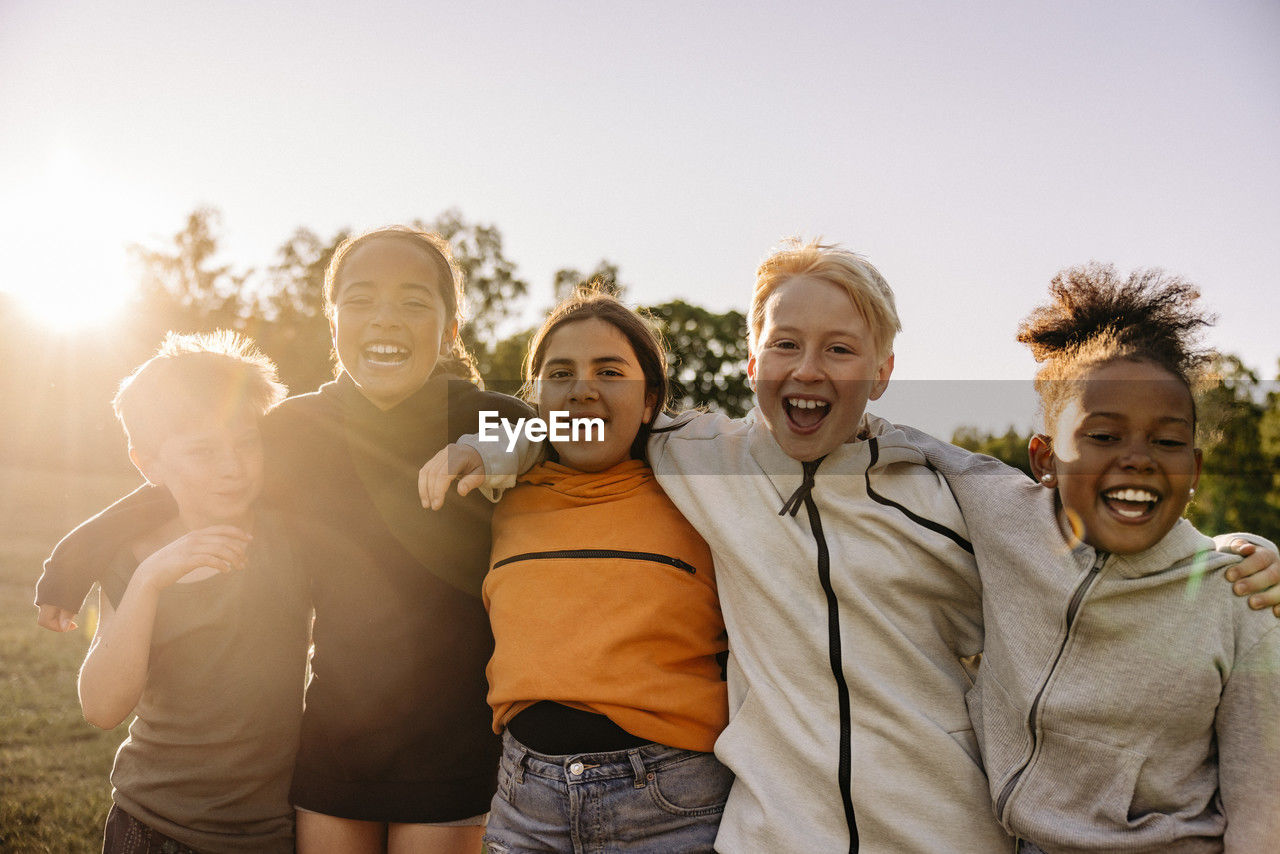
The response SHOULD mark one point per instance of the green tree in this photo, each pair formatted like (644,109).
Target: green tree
(291,324)
(1009,448)
(504,362)
(182,287)
(708,356)
(604,276)
(1237,482)
(493,288)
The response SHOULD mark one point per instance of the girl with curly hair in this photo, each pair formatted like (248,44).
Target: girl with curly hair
(1126,699)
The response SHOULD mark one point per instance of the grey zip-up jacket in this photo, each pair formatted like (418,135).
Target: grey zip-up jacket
(1125,702)
(848,622)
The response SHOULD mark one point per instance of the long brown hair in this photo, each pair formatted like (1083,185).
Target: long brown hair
(591,301)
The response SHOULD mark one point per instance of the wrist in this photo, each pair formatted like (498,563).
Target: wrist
(145,583)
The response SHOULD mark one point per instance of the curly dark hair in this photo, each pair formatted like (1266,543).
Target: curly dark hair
(1096,317)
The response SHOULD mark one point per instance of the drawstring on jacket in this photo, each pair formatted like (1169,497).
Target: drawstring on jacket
(792,507)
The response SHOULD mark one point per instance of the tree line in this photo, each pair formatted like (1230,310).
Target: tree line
(59,388)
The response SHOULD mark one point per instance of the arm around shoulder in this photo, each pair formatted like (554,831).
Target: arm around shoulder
(70,571)
(1258,575)
(688,428)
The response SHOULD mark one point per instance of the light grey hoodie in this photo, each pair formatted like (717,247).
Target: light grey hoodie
(848,623)
(1125,702)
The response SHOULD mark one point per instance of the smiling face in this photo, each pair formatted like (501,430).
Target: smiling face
(815,367)
(1123,456)
(212,465)
(590,371)
(390,324)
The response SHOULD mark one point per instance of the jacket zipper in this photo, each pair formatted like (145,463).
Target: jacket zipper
(652,557)
(1073,608)
(835,644)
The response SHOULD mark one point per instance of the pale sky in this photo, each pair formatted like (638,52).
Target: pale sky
(969,150)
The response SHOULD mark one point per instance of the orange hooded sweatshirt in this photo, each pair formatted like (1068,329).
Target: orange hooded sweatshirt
(603,598)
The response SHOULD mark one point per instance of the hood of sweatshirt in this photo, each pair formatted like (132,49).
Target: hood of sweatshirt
(1182,545)
(626,476)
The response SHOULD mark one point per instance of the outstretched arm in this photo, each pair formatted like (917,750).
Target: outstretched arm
(490,466)
(70,571)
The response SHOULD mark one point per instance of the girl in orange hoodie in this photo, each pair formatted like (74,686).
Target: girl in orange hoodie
(607,674)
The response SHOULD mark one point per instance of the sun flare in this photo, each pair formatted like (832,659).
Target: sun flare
(65,257)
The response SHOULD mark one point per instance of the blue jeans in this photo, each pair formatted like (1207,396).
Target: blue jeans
(650,799)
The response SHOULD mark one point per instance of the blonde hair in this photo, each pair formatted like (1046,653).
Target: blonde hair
(458,360)
(214,373)
(828,262)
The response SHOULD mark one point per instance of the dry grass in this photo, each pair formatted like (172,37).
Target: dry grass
(54,791)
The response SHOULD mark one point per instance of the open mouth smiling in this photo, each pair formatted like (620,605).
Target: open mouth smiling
(385,353)
(805,413)
(1132,503)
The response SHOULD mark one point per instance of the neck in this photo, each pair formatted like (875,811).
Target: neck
(191,522)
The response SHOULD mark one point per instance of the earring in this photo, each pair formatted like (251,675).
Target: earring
(1191,493)
(1046,478)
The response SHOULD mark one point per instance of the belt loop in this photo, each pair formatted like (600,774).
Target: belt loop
(518,776)
(637,767)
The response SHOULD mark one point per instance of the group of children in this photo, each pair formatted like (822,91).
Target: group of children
(762,634)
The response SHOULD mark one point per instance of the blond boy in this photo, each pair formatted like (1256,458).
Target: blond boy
(204,619)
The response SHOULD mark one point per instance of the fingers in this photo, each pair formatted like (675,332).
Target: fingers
(1268,595)
(1245,567)
(1257,576)
(468,482)
(454,461)
(220,559)
(55,619)
(1258,582)
(433,480)
(219,548)
(223,547)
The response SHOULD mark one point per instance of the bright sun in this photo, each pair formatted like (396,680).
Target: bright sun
(64,255)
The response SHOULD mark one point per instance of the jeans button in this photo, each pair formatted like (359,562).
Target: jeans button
(576,768)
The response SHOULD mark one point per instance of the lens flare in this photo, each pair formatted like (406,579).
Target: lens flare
(65,258)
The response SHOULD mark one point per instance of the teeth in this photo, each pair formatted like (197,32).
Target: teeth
(386,349)
(1132,495)
(804,403)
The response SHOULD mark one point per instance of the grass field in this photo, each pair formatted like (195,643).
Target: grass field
(54,792)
